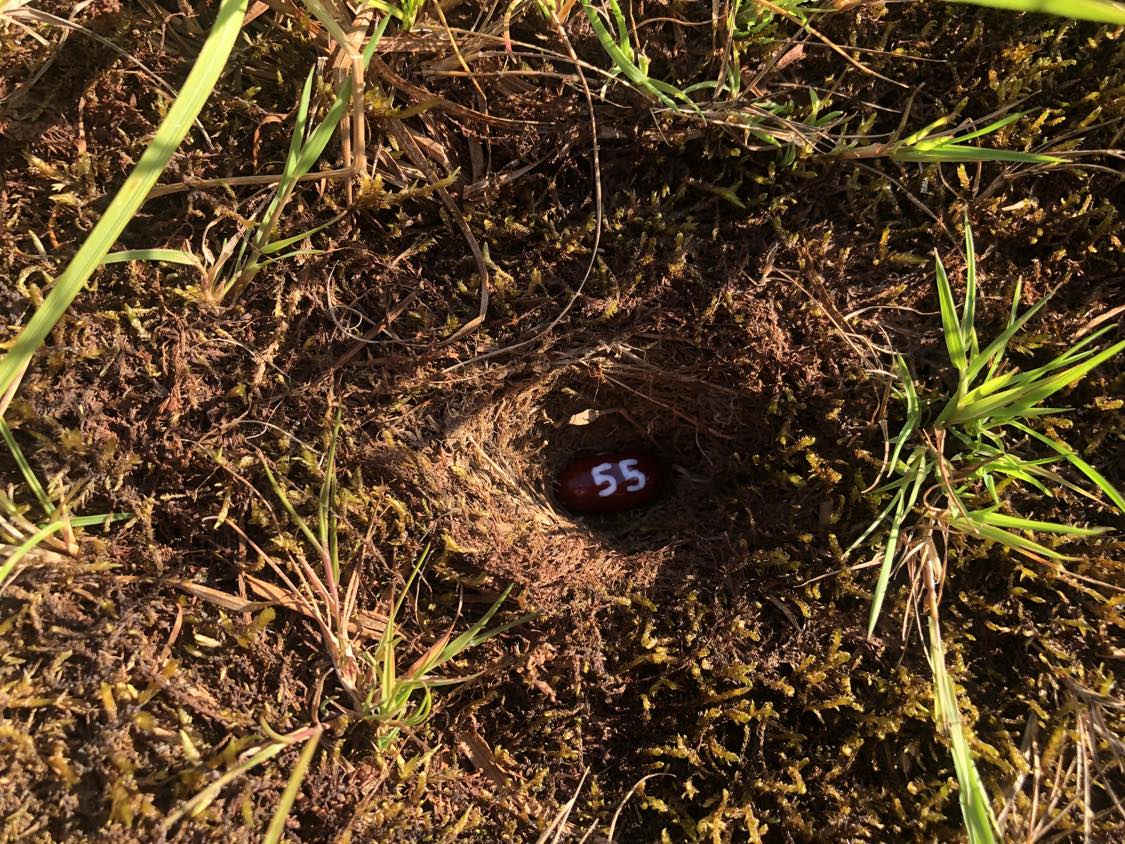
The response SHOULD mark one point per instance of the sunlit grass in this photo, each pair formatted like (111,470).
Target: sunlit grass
(770,122)
(324,582)
(260,247)
(975,441)
(1100,11)
(173,129)
(955,465)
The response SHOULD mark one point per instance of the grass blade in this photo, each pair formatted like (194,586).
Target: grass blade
(29,476)
(991,517)
(1027,547)
(300,129)
(279,491)
(325,17)
(871,528)
(284,243)
(1099,11)
(168,256)
(906,498)
(296,166)
(101,519)
(633,73)
(285,805)
(975,808)
(995,361)
(997,347)
(1081,465)
(196,89)
(204,798)
(1014,378)
(995,126)
(26,548)
(954,153)
(954,342)
(913,409)
(1015,401)
(289,173)
(969,315)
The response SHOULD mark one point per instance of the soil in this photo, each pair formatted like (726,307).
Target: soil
(697,670)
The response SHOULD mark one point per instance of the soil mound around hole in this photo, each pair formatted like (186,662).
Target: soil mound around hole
(500,454)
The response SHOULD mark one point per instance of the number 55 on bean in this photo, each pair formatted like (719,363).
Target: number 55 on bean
(611,483)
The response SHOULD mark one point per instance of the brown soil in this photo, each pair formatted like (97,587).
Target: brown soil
(710,648)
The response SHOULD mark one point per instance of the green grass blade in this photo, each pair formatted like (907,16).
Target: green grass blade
(25,469)
(969,315)
(995,126)
(168,256)
(322,134)
(289,173)
(913,410)
(633,73)
(425,555)
(1017,413)
(990,486)
(279,491)
(906,498)
(622,28)
(300,129)
(995,361)
(954,341)
(1017,292)
(920,136)
(954,153)
(1099,11)
(470,636)
(975,808)
(201,800)
(998,346)
(871,528)
(285,805)
(1006,538)
(100,519)
(991,517)
(1018,401)
(297,166)
(196,89)
(26,548)
(335,29)
(296,253)
(278,245)
(1013,379)
(673,91)
(1081,465)
(1018,471)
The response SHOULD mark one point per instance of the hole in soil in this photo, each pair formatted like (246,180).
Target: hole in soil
(500,455)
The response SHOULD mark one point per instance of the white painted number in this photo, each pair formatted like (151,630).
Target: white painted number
(635,480)
(599,473)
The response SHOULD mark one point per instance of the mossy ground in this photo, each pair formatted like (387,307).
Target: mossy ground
(711,646)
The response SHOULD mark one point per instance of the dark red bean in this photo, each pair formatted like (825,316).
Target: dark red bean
(611,483)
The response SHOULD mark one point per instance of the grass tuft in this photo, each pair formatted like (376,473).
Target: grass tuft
(376,690)
(963,465)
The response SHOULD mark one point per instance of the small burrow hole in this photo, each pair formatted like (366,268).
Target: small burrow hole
(500,455)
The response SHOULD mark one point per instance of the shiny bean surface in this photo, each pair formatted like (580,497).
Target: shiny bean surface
(612,482)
